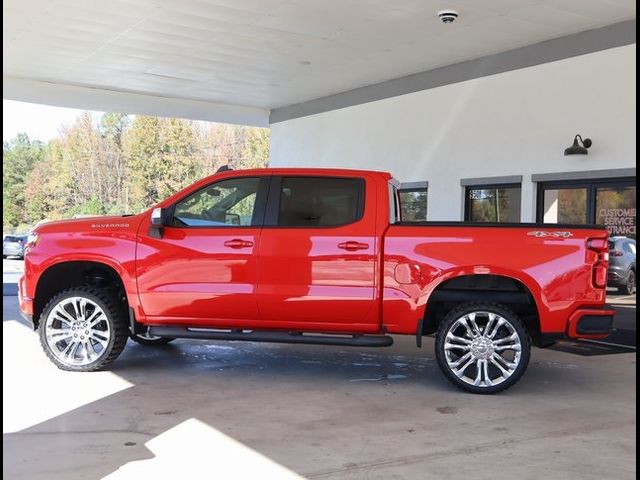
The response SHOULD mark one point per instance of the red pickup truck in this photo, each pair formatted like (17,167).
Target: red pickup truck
(313,256)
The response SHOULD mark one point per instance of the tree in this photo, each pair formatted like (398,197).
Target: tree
(112,129)
(256,148)
(18,158)
(141,146)
(118,164)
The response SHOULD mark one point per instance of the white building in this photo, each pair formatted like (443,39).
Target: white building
(480,110)
(495,125)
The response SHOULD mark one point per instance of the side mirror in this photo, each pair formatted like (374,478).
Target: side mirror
(159,218)
(231,219)
(156,217)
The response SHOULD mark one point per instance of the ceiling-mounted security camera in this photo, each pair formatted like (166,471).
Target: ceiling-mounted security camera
(447,16)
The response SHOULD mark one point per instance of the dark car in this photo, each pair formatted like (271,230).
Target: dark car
(13,246)
(622,264)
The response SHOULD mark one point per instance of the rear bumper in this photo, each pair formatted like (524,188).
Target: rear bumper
(617,275)
(590,323)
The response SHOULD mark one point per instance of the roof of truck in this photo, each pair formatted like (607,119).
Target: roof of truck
(308,171)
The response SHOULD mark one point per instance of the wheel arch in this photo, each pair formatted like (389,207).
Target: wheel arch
(75,273)
(515,293)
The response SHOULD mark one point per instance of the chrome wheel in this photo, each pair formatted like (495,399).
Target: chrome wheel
(77,331)
(482,349)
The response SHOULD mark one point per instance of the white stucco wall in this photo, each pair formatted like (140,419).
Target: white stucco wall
(514,123)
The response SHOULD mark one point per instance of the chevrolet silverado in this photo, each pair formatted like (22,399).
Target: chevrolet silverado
(313,256)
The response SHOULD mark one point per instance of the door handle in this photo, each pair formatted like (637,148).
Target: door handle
(352,245)
(238,243)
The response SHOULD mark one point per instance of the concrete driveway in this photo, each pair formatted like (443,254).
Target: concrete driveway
(249,410)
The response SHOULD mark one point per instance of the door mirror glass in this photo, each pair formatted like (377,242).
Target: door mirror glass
(157,217)
(158,220)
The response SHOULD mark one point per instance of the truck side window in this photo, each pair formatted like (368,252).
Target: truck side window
(222,204)
(320,201)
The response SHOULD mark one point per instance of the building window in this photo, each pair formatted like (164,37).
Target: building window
(604,202)
(565,205)
(616,209)
(493,203)
(413,202)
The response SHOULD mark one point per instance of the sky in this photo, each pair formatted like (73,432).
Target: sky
(40,122)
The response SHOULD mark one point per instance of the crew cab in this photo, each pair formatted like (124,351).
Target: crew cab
(313,256)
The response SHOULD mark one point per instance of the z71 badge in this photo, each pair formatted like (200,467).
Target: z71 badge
(541,234)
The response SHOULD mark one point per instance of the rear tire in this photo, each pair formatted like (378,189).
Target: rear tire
(83,329)
(482,347)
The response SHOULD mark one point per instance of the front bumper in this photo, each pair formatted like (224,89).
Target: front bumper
(590,323)
(26,303)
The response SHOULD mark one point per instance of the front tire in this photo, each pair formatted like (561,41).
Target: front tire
(82,329)
(482,347)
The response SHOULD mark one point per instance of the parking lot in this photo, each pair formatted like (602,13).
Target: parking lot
(251,410)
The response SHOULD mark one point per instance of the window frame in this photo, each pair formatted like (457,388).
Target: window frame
(275,191)
(416,189)
(259,209)
(592,189)
(487,186)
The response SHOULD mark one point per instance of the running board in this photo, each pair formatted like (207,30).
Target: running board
(273,336)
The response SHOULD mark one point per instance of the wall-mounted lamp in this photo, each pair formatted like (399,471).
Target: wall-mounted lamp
(578,147)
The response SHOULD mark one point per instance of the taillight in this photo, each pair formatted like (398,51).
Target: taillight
(615,253)
(600,275)
(597,244)
(601,267)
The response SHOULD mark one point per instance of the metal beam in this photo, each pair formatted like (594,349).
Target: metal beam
(72,96)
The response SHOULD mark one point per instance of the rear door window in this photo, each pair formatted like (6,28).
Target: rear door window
(320,201)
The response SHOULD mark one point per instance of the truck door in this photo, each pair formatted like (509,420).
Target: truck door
(203,271)
(317,255)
